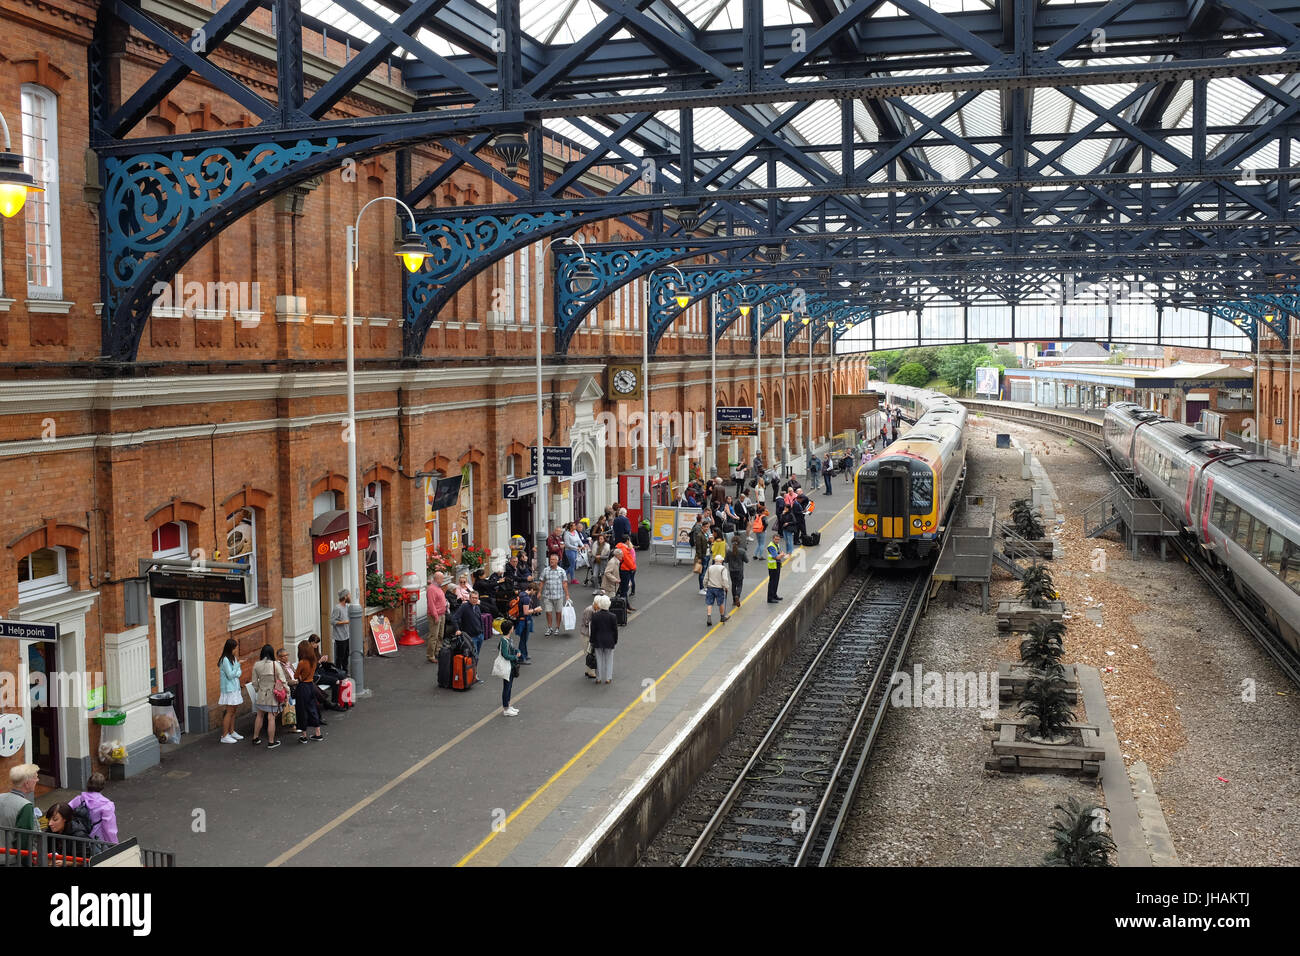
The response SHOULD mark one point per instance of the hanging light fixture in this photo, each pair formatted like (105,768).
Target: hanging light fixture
(15,182)
(745,309)
(512,147)
(682,298)
(689,216)
(787,316)
(583,278)
(412,251)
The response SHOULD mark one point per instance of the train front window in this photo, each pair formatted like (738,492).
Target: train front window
(867,500)
(922,492)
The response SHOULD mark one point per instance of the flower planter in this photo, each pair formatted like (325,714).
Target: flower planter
(1013,676)
(1016,616)
(1015,752)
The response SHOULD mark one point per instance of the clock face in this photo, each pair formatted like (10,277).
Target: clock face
(625,381)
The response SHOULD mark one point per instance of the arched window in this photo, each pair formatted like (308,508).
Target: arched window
(373,505)
(42,573)
(41,160)
(170,540)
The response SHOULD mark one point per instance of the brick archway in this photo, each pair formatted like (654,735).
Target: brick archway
(174,510)
(52,534)
(332,481)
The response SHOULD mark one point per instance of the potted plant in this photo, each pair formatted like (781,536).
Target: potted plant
(1025,520)
(1048,709)
(1040,656)
(1078,836)
(439,561)
(1026,536)
(473,558)
(1038,601)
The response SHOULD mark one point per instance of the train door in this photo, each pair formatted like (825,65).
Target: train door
(893,500)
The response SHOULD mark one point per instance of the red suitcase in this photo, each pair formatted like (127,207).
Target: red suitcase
(462,672)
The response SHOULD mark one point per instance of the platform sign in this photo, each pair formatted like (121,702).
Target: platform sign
(29,630)
(385,641)
(558,460)
(986,381)
(735,413)
(516,488)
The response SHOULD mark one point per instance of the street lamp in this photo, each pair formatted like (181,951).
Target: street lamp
(581,281)
(412,252)
(785,414)
(808,443)
(15,182)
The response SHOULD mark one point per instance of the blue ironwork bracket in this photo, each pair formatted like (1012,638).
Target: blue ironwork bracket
(699,284)
(158,210)
(464,246)
(612,270)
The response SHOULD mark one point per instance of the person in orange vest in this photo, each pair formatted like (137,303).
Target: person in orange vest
(626,572)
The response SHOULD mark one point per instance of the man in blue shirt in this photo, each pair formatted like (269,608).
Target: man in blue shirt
(469,623)
(622,527)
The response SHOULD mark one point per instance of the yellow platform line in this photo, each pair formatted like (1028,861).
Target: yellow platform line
(610,726)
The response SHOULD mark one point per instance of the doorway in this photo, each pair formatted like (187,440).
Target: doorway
(173,674)
(893,501)
(43,691)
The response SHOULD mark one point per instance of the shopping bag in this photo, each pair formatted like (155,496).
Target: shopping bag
(501,668)
(568,616)
(289,716)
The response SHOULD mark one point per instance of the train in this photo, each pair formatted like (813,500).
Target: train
(1241,511)
(903,497)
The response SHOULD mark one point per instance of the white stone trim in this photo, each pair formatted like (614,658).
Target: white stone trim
(166,312)
(247,319)
(209,315)
(331,319)
(247,618)
(379,321)
(49,306)
(6,303)
(451,325)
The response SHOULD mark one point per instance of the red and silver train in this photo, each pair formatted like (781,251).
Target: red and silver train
(1243,511)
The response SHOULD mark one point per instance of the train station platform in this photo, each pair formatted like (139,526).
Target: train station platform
(417,776)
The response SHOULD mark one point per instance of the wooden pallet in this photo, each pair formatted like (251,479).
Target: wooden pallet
(1013,676)
(1017,617)
(1024,756)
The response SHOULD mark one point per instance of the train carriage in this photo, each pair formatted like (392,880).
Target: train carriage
(903,496)
(1243,512)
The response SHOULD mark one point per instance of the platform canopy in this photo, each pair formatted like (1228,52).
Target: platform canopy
(912,171)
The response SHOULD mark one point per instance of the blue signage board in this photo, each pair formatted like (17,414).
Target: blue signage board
(735,413)
(29,630)
(558,460)
(517,487)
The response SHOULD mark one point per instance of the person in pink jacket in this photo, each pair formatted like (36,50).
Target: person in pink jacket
(103,815)
(436,603)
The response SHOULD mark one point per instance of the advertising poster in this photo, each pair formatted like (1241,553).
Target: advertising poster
(986,381)
(385,641)
(663,525)
(685,522)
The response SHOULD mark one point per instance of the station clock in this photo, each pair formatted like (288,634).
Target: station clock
(623,383)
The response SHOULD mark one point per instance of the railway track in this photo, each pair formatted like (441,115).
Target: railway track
(793,792)
(1282,655)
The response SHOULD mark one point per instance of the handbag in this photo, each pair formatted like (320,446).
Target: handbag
(568,616)
(289,716)
(280,691)
(501,668)
(697,567)
(591,660)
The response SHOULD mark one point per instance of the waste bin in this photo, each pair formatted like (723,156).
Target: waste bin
(165,725)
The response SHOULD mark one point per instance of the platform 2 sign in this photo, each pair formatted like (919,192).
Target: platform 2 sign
(385,640)
(516,487)
(735,413)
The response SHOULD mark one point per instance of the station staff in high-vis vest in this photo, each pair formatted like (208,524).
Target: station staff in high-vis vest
(774,559)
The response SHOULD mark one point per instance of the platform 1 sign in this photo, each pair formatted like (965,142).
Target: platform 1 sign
(735,413)
(558,460)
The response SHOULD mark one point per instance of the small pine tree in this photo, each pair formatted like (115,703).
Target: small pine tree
(1044,645)
(1078,838)
(1036,586)
(1046,705)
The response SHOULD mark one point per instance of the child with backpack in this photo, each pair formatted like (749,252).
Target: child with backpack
(524,608)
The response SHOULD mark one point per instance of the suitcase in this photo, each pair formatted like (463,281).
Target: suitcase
(347,694)
(618,607)
(462,672)
(444,666)
(812,540)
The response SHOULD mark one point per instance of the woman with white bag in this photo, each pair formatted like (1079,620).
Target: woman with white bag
(506,666)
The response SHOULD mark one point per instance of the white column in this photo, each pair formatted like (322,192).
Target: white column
(300,608)
(414,559)
(126,688)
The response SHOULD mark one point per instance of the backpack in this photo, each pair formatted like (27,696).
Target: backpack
(514,609)
(81,816)
(758,525)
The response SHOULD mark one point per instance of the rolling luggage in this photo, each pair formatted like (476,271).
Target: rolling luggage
(444,666)
(347,694)
(618,607)
(812,540)
(462,672)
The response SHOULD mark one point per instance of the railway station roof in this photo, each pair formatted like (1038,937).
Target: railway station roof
(1178,375)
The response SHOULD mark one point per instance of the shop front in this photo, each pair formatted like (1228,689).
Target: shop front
(330,547)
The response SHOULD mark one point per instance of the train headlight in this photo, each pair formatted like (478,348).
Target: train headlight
(871,522)
(916,522)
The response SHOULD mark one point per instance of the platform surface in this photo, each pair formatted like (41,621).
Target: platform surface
(418,775)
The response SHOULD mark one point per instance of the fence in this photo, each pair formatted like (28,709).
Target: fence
(42,848)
